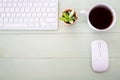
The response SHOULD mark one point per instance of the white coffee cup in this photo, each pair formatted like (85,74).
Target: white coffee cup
(98,12)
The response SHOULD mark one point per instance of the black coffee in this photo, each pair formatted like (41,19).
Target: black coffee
(101,17)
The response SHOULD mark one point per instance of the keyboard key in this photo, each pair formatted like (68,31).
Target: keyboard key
(42,9)
(12,9)
(26,20)
(1,20)
(34,14)
(39,15)
(13,15)
(50,19)
(5,19)
(1,25)
(31,25)
(16,20)
(10,20)
(13,25)
(44,15)
(8,14)
(51,14)
(6,9)
(18,15)
(37,25)
(36,19)
(23,15)
(21,20)
(1,9)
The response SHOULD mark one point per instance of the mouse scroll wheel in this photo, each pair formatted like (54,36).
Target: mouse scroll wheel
(99,45)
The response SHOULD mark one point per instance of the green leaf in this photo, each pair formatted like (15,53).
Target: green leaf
(65,15)
(64,19)
(71,21)
(73,18)
(61,18)
(72,13)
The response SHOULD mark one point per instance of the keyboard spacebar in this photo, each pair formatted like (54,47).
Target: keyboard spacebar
(15,25)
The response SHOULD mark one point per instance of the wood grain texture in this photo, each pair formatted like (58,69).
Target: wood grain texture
(63,54)
(55,45)
(55,69)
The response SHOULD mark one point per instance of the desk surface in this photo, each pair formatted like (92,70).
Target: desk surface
(59,55)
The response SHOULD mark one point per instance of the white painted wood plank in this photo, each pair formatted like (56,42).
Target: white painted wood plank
(55,45)
(55,69)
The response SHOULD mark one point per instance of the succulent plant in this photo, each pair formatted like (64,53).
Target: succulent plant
(68,16)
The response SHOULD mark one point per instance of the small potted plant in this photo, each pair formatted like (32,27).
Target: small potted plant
(69,16)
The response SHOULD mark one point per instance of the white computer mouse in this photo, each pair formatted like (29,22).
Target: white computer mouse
(100,57)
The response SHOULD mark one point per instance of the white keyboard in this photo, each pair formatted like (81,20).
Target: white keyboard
(29,14)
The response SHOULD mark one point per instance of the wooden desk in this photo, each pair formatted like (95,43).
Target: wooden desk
(59,55)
